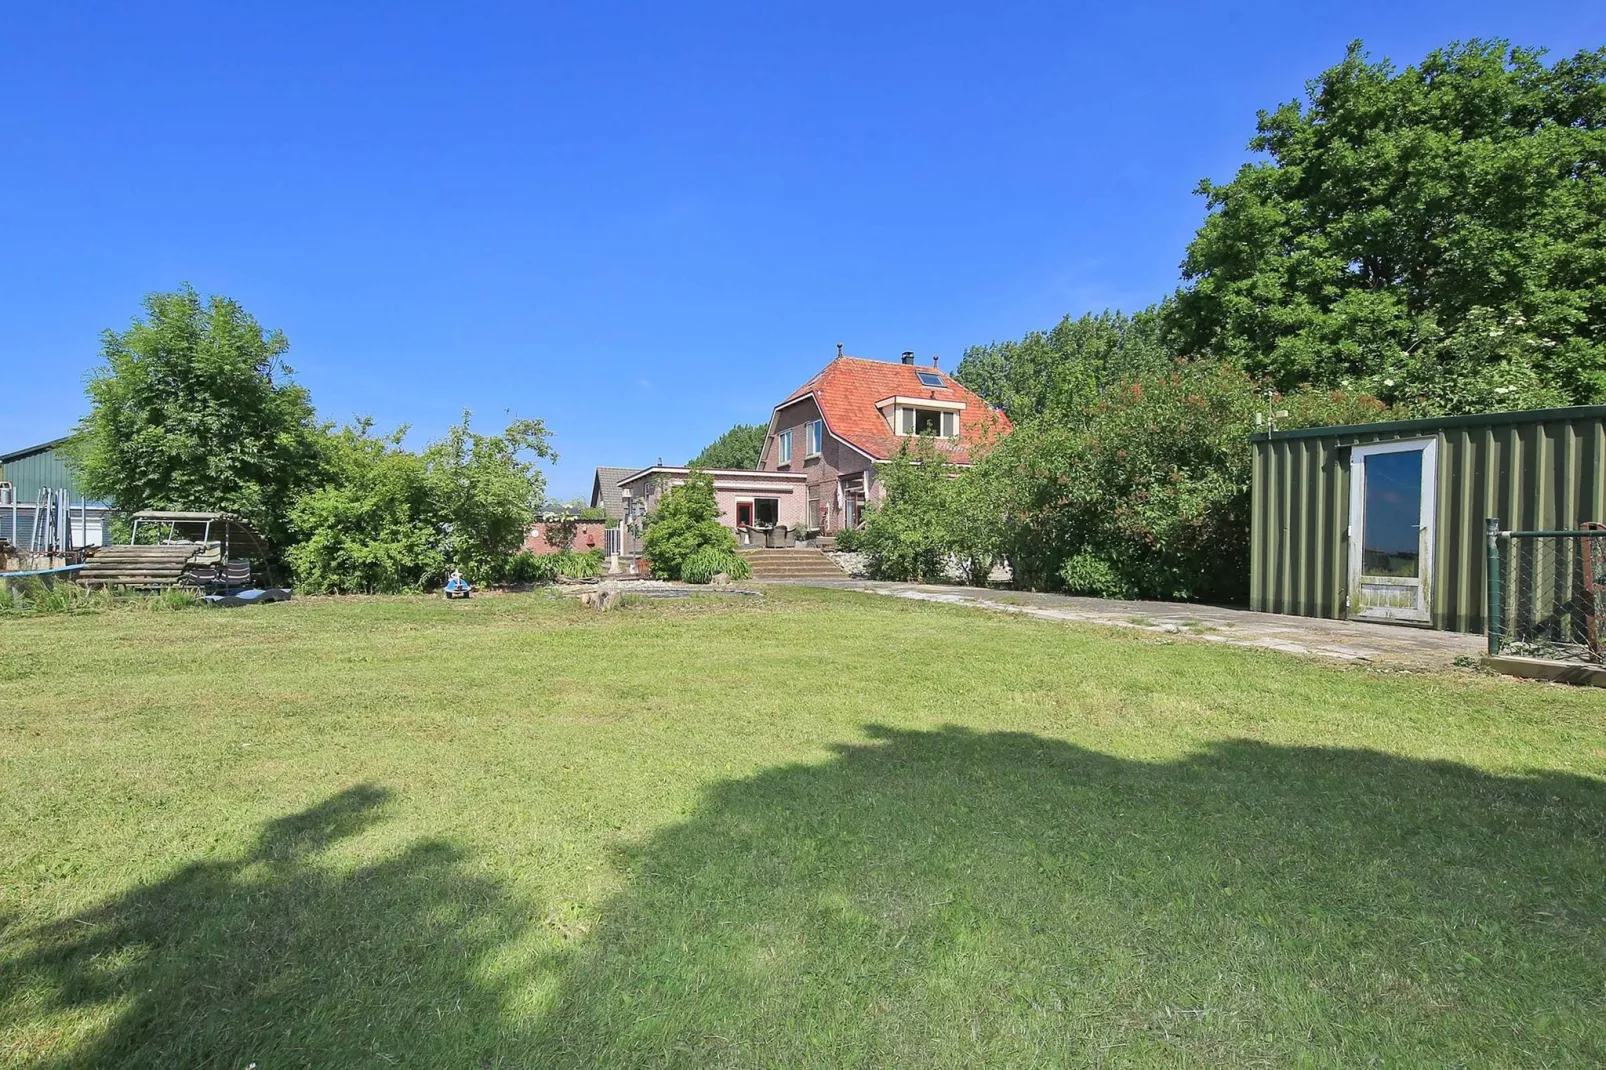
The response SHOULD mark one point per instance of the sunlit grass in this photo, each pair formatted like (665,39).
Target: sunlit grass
(820,829)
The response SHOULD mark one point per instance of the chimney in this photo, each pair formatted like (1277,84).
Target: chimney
(839,349)
(908,356)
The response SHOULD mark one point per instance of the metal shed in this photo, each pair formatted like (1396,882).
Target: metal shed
(1387,521)
(25,475)
(34,468)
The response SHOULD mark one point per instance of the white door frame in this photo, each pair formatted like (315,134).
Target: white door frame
(1429,448)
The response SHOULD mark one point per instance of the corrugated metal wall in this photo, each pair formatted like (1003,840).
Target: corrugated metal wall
(1532,470)
(47,468)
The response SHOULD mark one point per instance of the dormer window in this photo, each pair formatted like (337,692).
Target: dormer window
(928,422)
(922,416)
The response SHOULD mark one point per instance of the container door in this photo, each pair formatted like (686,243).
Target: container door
(1392,495)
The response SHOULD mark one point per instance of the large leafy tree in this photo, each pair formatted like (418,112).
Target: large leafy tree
(1435,235)
(487,490)
(1064,369)
(740,447)
(195,409)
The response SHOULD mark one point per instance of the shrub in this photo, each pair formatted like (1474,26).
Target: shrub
(701,566)
(373,528)
(586,565)
(1147,493)
(687,520)
(527,567)
(1087,574)
(847,540)
(933,513)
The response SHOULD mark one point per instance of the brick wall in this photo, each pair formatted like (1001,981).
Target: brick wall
(588,535)
(837,459)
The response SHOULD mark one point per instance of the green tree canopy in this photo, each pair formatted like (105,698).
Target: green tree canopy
(194,409)
(934,513)
(1148,495)
(1064,369)
(373,527)
(740,447)
(488,490)
(1435,236)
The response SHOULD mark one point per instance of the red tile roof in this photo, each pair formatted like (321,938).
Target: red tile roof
(848,388)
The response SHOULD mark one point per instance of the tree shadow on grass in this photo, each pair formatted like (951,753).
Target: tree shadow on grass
(953,898)
(279,959)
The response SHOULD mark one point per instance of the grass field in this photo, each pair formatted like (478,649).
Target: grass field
(823,829)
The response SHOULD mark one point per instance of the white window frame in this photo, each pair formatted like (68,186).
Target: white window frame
(1427,530)
(906,417)
(813,438)
(785,438)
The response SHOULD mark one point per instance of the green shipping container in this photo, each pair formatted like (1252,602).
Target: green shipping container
(1386,522)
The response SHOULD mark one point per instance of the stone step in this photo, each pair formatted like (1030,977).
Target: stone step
(797,563)
(798,566)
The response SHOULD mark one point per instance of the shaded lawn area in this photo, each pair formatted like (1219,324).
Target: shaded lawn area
(826,829)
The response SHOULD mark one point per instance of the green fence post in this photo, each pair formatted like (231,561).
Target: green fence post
(1492,578)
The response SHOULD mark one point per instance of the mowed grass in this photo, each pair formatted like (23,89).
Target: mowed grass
(821,829)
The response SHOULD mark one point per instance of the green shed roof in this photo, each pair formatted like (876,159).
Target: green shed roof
(1434,423)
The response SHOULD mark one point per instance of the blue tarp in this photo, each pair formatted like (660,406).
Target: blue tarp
(254,597)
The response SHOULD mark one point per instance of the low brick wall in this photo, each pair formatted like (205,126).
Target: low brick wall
(588,535)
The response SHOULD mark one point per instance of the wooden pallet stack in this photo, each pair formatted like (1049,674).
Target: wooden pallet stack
(143,566)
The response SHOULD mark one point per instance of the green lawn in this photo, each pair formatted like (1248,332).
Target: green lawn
(824,829)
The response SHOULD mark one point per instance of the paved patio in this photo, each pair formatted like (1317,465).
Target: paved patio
(1384,644)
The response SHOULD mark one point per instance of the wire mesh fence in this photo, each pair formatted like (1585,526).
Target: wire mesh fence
(1547,594)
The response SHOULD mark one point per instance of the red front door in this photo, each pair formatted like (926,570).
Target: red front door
(744,514)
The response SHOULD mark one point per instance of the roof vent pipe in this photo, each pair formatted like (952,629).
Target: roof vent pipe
(839,349)
(908,356)
(934,360)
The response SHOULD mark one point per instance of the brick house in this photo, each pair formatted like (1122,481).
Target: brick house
(818,466)
(836,427)
(750,502)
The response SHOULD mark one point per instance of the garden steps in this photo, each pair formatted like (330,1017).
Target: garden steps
(799,563)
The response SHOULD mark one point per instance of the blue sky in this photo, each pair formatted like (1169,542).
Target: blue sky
(640,223)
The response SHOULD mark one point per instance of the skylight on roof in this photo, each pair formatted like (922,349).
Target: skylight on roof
(930,379)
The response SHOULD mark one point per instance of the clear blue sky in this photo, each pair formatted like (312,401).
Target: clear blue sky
(639,223)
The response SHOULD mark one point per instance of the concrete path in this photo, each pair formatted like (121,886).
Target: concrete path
(1383,644)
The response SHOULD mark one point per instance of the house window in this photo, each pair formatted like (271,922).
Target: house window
(766,512)
(930,379)
(786,446)
(816,516)
(814,436)
(944,422)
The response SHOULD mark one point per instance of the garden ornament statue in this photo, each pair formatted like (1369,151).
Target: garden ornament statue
(457,586)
